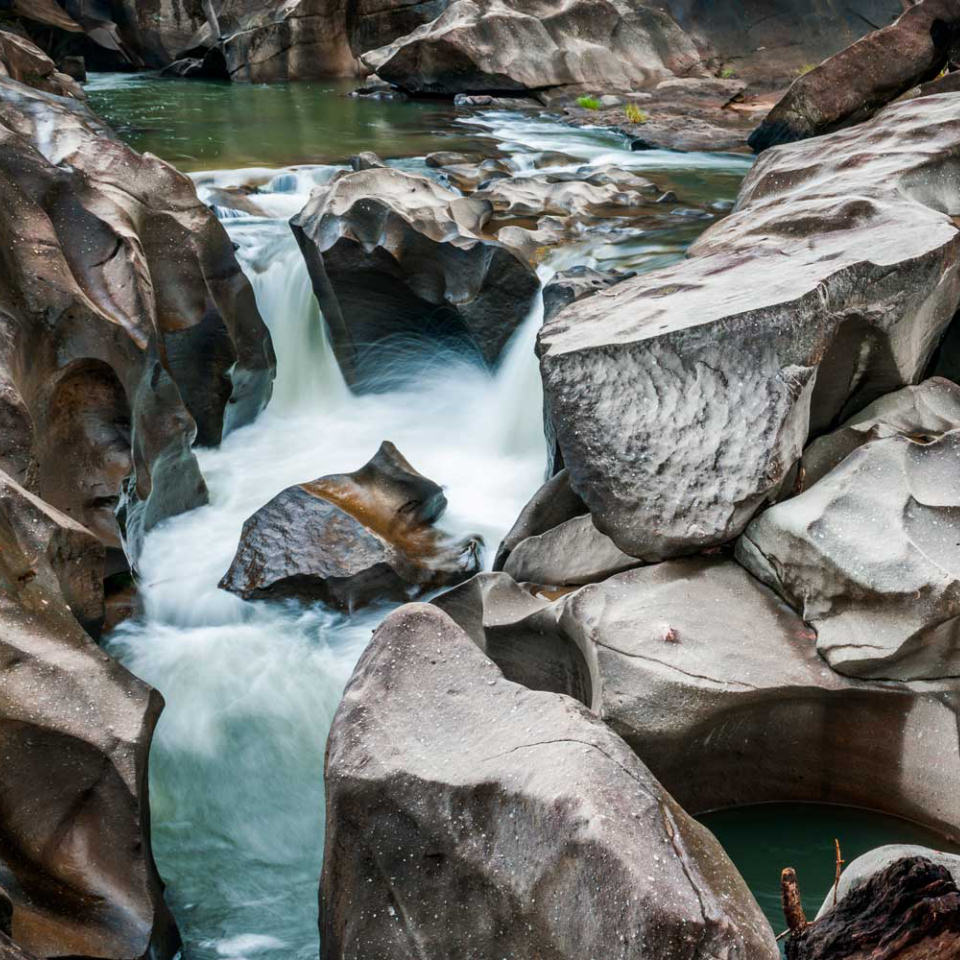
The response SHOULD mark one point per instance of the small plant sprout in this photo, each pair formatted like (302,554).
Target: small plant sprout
(727,73)
(588,103)
(635,114)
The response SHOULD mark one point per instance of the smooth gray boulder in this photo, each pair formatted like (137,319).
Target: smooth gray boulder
(509,46)
(717,686)
(350,539)
(394,254)
(681,399)
(869,555)
(492,821)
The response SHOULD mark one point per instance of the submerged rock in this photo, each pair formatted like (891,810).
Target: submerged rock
(75,732)
(506,822)
(393,254)
(506,46)
(681,399)
(852,85)
(350,539)
(717,686)
(128,330)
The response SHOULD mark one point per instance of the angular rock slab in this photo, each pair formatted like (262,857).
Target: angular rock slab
(717,686)
(350,539)
(75,732)
(870,557)
(394,254)
(470,817)
(681,400)
(500,46)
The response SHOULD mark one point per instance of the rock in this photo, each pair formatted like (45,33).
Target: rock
(25,62)
(488,102)
(350,539)
(858,81)
(367,160)
(447,158)
(373,88)
(467,176)
(474,808)
(128,327)
(860,870)
(211,66)
(373,23)
(74,67)
(396,254)
(681,399)
(924,412)
(571,285)
(908,911)
(75,732)
(705,673)
(10,951)
(948,83)
(46,12)
(505,46)
(870,557)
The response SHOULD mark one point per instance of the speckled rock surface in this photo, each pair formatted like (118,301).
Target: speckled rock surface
(681,400)
(466,814)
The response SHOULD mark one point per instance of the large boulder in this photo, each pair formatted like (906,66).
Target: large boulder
(24,61)
(717,686)
(373,23)
(505,46)
(858,81)
(349,539)
(128,329)
(681,400)
(492,820)
(394,254)
(870,557)
(75,732)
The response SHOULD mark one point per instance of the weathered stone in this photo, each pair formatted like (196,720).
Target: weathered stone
(393,253)
(717,686)
(908,911)
(350,539)
(128,326)
(682,399)
(367,160)
(373,23)
(75,732)
(475,812)
(858,81)
(571,285)
(502,46)
(24,61)
(870,556)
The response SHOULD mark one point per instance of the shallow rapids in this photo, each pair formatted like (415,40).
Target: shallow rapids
(251,688)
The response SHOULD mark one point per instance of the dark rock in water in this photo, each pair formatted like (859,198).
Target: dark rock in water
(25,62)
(75,732)
(869,555)
(367,160)
(908,911)
(373,88)
(704,671)
(496,103)
(74,67)
(462,804)
(571,285)
(681,399)
(855,83)
(128,330)
(211,66)
(350,539)
(506,46)
(395,254)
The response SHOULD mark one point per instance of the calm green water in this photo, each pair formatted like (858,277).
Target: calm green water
(762,840)
(210,125)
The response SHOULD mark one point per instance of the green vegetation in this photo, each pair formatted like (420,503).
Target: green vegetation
(635,114)
(588,103)
(727,73)
(805,69)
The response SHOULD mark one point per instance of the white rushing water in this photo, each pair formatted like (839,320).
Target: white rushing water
(251,688)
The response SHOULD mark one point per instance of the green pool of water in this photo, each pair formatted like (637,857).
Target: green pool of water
(762,840)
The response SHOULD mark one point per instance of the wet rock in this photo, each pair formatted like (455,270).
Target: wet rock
(128,329)
(373,88)
(24,61)
(717,686)
(75,732)
(908,911)
(869,556)
(504,46)
(395,254)
(496,103)
(468,175)
(350,539)
(852,85)
(571,285)
(681,399)
(367,160)
(460,801)
(447,158)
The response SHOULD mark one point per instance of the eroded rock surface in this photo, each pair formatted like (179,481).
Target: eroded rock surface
(681,399)
(858,81)
(474,812)
(349,539)
(393,254)
(24,61)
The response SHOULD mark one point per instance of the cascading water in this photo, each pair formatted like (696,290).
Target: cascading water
(251,688)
